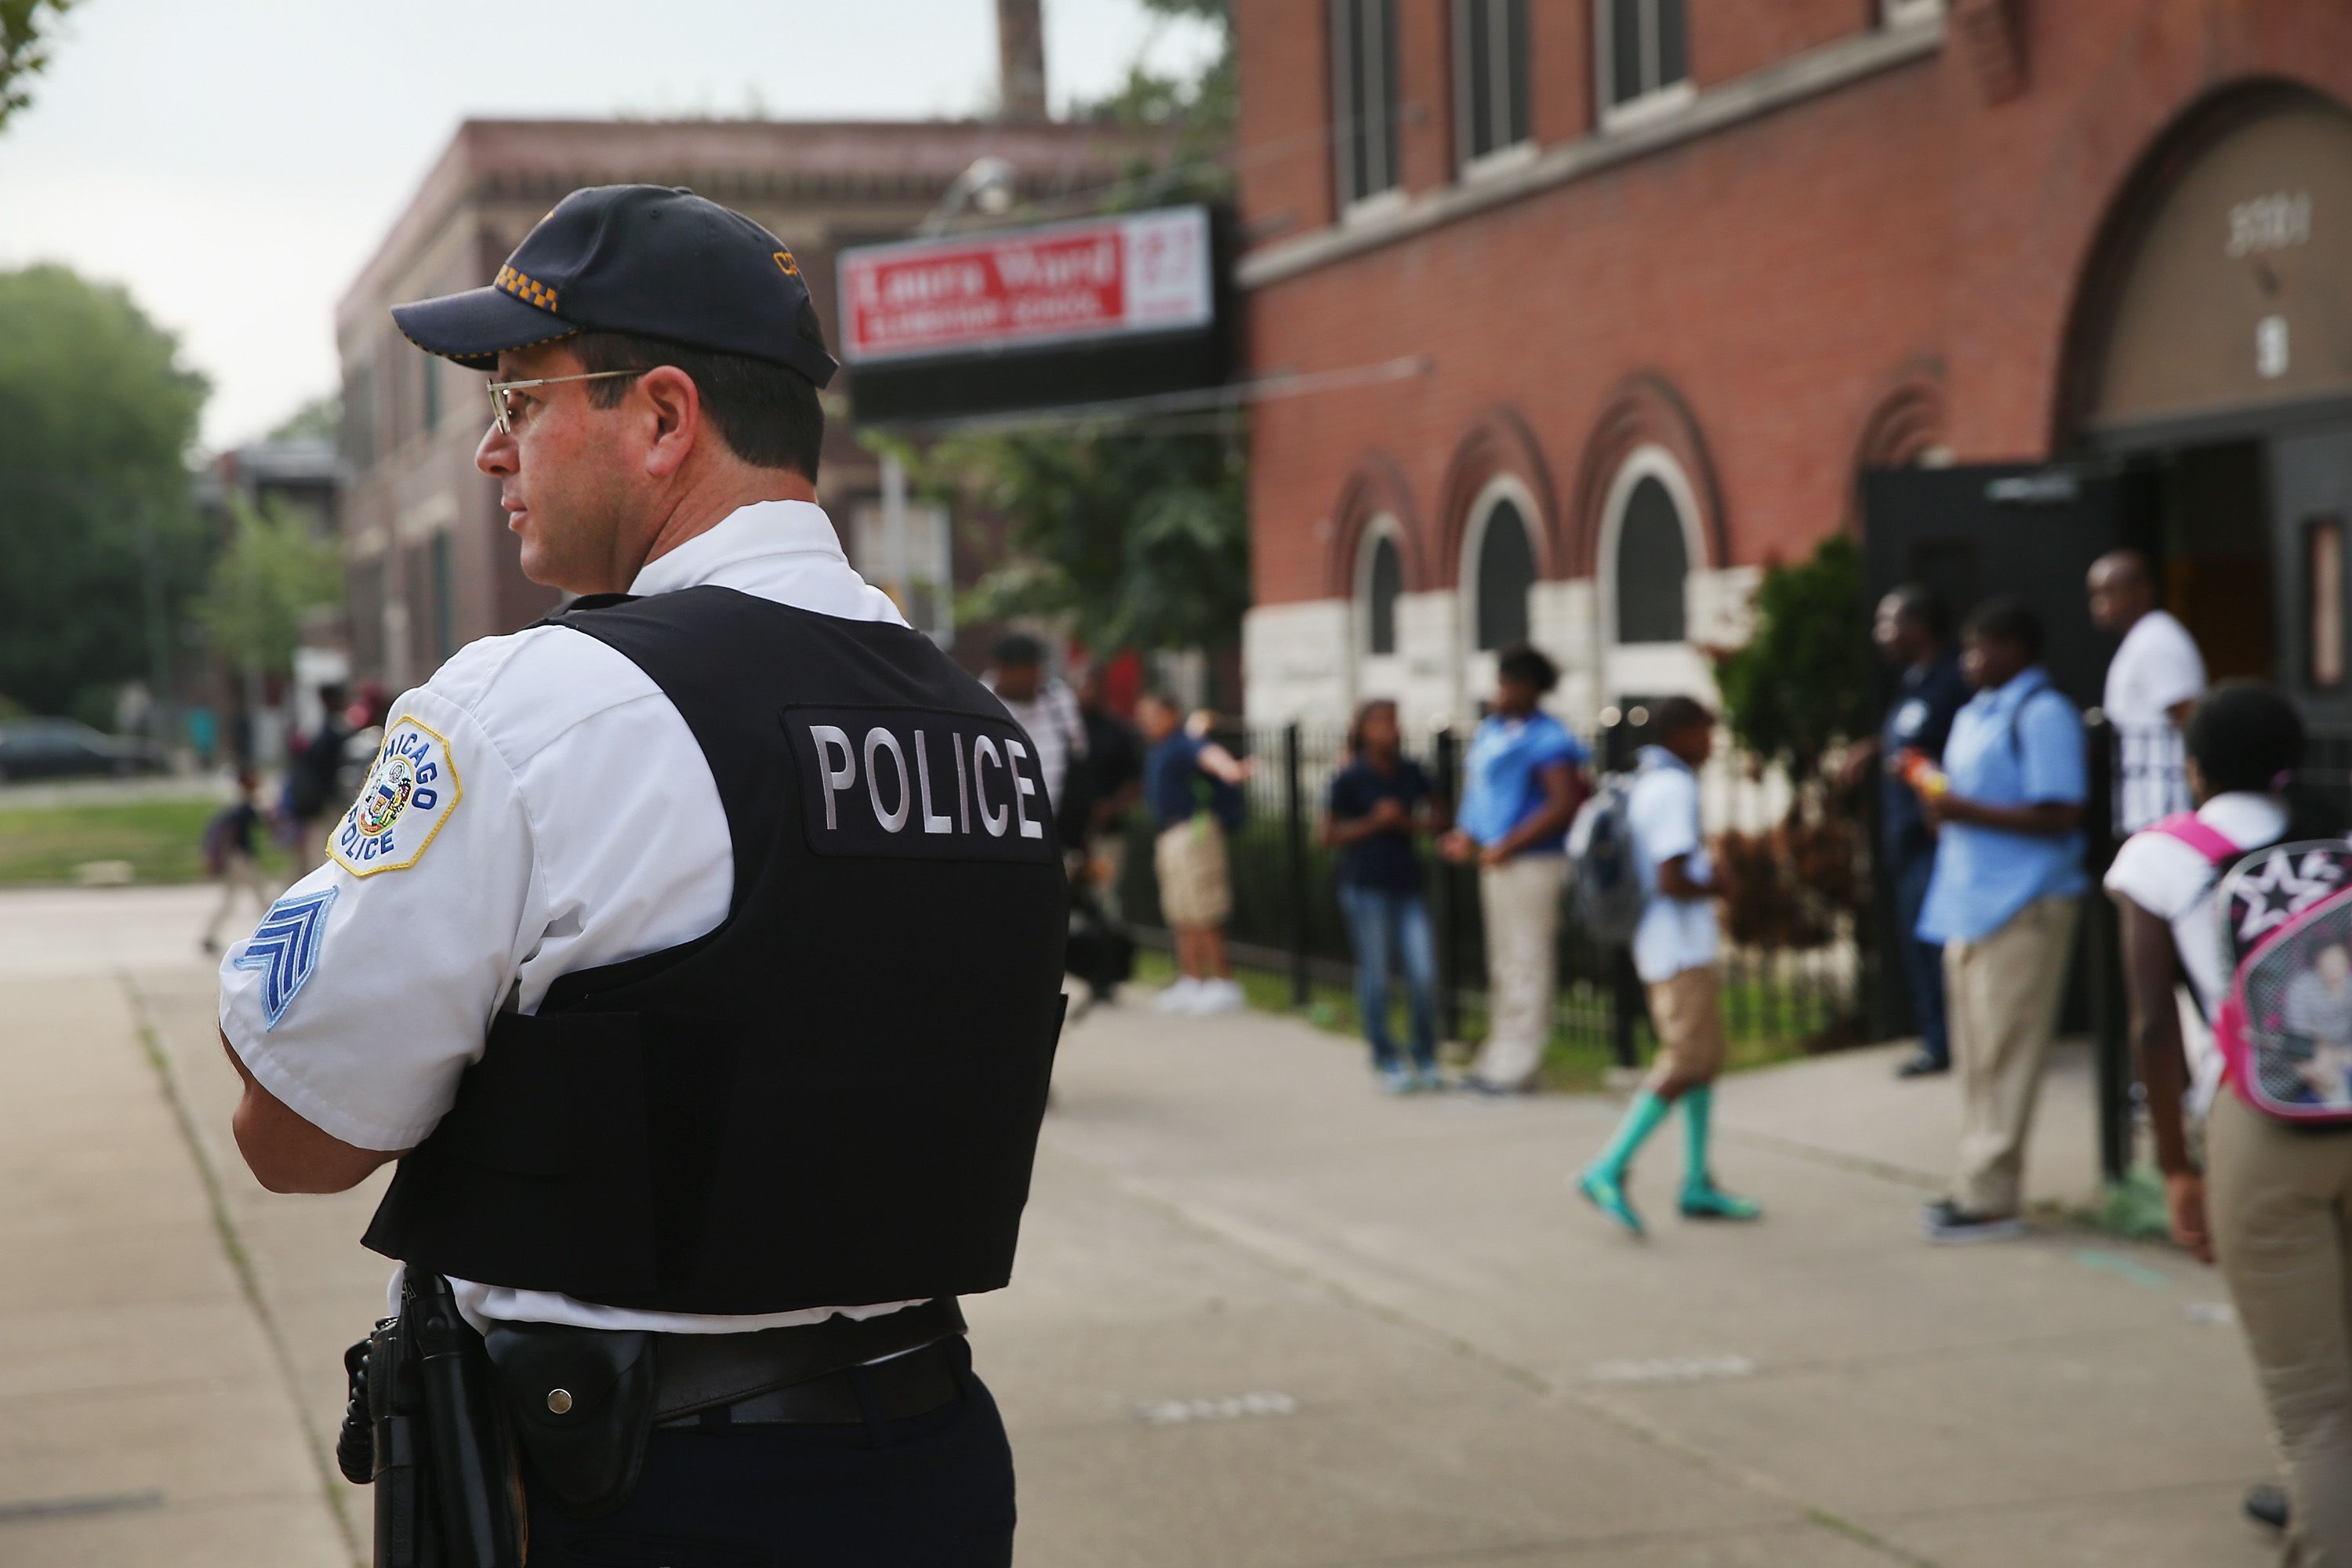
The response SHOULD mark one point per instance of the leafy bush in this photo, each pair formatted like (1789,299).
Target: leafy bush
(1802,684)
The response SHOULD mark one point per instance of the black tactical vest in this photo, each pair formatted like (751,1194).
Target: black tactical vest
(831,1099)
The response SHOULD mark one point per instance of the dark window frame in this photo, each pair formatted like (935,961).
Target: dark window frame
(1363,133)
(1659,53)
(1380,598)
(1491,119)
(1647,615)
(1497,620)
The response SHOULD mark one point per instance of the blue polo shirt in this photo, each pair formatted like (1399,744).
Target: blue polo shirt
(2019,744)
(1503,776)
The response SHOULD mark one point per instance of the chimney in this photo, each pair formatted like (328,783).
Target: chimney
(1020,62)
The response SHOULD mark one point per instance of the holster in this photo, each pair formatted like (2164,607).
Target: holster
(447,1491)
(580,1403)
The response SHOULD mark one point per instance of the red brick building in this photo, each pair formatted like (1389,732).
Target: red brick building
(1678,271)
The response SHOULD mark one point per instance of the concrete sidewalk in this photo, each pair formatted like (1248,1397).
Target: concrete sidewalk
(1263,1316)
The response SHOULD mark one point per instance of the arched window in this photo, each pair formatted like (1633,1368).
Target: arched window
(1506,570)
(1382,580)
(1653,560)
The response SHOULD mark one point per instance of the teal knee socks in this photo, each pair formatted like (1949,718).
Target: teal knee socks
(1698,1118)
(1642,1119)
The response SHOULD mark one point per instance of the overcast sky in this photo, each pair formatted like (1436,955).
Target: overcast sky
(235,162)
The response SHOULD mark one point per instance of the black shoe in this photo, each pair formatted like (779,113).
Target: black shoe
(1949,1225)
(1922,1065)
(2266,1504)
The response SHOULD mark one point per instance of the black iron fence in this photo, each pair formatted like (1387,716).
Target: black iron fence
(1796,957)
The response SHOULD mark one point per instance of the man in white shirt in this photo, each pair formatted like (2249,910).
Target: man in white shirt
(2153,682)
(628,950)
(1043,706)
(1674,949)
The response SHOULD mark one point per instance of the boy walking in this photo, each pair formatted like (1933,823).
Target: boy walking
(1674,954)
(230,858)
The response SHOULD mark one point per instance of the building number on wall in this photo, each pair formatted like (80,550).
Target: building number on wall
(2269,223)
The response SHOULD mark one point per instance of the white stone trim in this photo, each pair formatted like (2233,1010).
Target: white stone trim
(1297,660)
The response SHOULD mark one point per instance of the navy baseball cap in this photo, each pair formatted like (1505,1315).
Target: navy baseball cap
(648,260)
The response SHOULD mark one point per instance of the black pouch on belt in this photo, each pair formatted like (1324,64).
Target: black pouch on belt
(582,1405)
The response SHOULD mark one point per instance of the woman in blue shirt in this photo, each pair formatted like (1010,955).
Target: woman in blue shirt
(1522,784)
(1379,804)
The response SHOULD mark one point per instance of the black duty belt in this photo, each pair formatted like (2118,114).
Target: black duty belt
(900,1389)
(810,1374)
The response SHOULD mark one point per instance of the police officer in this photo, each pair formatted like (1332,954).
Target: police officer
(696,952)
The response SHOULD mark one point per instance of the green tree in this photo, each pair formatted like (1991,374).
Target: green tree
(1136,540)
(99,545)
(320,419)
(25,37)
(1137,533)
(273,570)
(1802,683)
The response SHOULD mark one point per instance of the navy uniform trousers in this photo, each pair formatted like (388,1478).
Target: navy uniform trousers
(933,1491)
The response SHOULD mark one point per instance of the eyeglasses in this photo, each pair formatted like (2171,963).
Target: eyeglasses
(503,411)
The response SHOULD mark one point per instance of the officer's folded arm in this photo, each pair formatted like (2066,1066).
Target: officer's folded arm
(287,1154)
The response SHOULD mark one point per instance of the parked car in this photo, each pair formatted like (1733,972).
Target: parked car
(59,748)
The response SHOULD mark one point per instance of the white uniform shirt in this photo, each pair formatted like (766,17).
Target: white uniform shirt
(2155,669)
(1662,808)
(538,808)
(1055,729)
(2176,884)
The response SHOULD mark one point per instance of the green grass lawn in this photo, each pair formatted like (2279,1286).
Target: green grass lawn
(1573,1062)
(162,840)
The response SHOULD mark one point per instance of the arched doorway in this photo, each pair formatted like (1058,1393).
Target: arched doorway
(2213,354)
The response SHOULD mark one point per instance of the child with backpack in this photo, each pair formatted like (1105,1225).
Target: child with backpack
(230,858)
(1674,947)
(2249,897)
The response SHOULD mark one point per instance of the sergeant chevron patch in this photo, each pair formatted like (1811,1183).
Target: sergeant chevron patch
(285,948)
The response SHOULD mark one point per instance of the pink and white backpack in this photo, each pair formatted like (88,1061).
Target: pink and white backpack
(2284,916)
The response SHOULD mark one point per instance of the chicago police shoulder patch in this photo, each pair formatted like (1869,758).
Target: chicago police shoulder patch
(409,794)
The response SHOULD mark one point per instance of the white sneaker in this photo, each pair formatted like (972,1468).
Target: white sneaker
(1183,997)
(1220,997)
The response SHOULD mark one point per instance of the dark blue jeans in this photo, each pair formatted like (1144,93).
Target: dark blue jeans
(1385,927)
(1923,961)
(935,1491)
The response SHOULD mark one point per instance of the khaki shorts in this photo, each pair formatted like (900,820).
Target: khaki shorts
(1687,1009)
(1194,888)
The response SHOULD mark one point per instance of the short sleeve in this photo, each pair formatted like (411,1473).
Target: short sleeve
(2050,740)
(1556,744)
(2175,670)
(1665,809)
(2158,873)
(369,987)
(1341,797)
